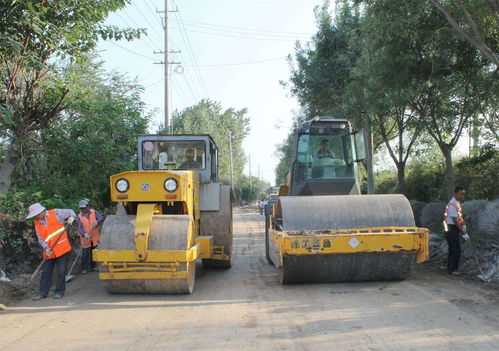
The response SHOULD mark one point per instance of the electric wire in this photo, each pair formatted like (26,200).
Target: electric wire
(181,92)
(132,51)
(190,51)
(247,29)
(244,63)
(147,20)
(153,47)
(266,38)
(254,32)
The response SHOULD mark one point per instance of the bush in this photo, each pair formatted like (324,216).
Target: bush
(488,221)
(432,216)
(471,211)
(425,182)
(417,207)
(18,244)
(478,174)
(386,182)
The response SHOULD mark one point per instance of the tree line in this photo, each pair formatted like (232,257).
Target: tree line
(404,70)
(66,124)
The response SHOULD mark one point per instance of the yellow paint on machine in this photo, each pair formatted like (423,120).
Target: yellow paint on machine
(143,193)
(375,239)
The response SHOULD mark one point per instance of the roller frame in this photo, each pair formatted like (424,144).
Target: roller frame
(376,239)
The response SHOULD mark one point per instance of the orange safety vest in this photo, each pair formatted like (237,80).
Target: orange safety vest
(49,233)
(87,224)
(460,218)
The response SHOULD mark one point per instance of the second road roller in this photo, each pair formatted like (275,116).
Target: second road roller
(323,230)
(172,211)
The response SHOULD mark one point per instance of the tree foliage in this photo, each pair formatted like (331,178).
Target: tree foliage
(398,69)
(35,37)
(95,137)
(208,117)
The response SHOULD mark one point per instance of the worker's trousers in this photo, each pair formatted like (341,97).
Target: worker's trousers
(87,263)
(47,272)
(453,240)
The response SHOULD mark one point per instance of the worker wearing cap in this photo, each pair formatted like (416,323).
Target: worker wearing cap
(455,227)
(88,221)
(49,225)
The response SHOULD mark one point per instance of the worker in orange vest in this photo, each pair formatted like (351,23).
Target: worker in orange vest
(454,228)
(88,222)
(49,225)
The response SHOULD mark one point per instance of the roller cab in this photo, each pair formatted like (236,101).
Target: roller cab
(323,230)
(171,212)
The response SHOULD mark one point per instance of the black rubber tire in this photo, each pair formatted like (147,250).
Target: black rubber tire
(268,212)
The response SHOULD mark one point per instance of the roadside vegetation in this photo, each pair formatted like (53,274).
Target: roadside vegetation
(401,71)
(66,124)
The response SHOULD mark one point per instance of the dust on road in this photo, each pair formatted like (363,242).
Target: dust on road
(246,308)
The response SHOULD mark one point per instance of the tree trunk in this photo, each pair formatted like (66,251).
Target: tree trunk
(449,171)
(401,177)
(9,164)
(370,168)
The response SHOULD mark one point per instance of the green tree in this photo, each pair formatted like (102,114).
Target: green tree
(95,137)
(475,22)
(35,36)
(208,117)
(250,193)
(324,68)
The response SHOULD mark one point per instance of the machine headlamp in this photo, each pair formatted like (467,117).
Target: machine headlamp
(171,185)
(122,185)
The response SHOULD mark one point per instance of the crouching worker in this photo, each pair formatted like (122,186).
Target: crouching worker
(88,221)
(49,225)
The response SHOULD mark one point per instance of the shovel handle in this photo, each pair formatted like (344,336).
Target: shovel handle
(44,259)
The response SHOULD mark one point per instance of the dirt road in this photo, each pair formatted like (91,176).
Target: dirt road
(246,308)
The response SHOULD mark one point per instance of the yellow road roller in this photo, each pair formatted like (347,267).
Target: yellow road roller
(323,230)
(171,212)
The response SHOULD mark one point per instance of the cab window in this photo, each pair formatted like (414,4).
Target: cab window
(181,155)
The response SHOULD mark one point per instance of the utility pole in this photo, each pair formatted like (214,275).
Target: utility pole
(231,164)
(249,193)
(167,63)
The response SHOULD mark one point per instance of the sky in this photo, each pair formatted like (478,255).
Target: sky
(231,51)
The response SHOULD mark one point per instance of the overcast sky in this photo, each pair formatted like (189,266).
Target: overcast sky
(232,51)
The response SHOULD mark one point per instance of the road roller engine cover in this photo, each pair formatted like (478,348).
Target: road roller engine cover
(171,212)
(323,230)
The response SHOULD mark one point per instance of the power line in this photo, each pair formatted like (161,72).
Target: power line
(238,36)
(256,32)
(153,84)
(181,91)
(190,51)
(153,13)
(145,18)
(243,63)
(131,19)
(131,51)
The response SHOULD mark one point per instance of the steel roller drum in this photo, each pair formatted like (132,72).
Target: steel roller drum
(166,233)
(343,212)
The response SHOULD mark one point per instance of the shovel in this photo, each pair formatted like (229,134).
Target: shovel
(70,276)
(481,276)
(61,230)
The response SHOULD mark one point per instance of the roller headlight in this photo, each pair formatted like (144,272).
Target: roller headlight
(122,185)
(171,185)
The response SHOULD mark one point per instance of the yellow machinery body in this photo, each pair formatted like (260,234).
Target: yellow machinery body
(321,229)
(149,203)
(152,246)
